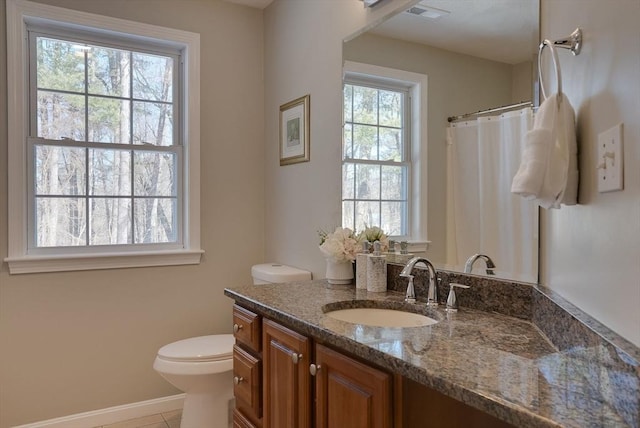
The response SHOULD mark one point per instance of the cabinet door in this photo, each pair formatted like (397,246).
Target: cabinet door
(287,383)
(349,393)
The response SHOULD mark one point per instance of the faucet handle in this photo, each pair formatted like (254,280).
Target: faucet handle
(455,284)
(452,301)
(410,297)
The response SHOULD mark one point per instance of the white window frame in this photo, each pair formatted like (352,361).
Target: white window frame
(417,191)
(21,14)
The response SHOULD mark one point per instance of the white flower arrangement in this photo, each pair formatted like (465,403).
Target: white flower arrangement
(373,234)
(343,244)
(340,245)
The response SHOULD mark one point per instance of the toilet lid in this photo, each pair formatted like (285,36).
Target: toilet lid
(204,348)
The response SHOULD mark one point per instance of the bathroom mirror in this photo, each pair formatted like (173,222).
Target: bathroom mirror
(477,55)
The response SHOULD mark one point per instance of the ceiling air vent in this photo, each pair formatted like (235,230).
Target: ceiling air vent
(427,11)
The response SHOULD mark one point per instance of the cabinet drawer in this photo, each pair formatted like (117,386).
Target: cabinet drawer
(247,327)
(247,380)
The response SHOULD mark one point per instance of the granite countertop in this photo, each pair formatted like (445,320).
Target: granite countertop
(501,365)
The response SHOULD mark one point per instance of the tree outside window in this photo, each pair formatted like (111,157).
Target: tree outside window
(103,143)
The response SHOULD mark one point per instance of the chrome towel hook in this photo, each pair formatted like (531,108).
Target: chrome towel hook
(573,42)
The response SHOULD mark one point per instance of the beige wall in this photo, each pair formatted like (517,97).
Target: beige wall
(591,252)
(457,84)
(74,342)
(522,82)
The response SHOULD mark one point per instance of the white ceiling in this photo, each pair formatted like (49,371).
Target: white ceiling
(499,30)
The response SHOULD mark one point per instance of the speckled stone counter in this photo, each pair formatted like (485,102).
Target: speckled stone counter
(502,365)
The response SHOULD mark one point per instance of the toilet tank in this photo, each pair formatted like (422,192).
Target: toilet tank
(275,272)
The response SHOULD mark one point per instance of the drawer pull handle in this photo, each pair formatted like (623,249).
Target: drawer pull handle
(238,380)
(314,369)
(295,357)
(237,327)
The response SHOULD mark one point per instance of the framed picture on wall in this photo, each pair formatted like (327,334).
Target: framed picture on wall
(294,131)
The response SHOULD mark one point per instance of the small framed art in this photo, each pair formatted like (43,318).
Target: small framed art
(294,131)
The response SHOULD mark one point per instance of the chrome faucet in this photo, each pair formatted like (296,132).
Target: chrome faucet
(432,293)
(468,266)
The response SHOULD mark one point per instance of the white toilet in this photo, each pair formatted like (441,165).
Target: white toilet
(202,368)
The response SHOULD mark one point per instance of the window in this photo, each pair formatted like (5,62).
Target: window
(102,147)
(110,153)
(376,156)
(384,161)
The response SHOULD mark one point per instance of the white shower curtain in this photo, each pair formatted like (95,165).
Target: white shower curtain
(483,215)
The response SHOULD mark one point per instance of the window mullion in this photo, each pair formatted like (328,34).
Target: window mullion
(86,197)
(406,124)
(87,211)
(133,164)
(355,167)
(375,162)
(352,140)
(379,201)
(114,146)
(132,198)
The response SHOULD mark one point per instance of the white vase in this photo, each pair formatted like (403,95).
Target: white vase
(339,272)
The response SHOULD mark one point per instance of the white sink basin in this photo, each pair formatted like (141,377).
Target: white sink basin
(381,317)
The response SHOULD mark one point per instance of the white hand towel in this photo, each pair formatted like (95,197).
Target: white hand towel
(548,168)
(568,130)
(535,156)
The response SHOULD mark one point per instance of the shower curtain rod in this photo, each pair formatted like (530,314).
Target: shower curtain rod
(491,110)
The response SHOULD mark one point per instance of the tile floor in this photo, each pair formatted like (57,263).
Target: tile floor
(161,420)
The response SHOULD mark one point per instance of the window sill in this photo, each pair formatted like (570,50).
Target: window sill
(414,246)
(64,263)
(418,246)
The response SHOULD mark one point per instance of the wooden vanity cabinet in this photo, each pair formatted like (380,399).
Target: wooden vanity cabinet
(274,388)
(277,389)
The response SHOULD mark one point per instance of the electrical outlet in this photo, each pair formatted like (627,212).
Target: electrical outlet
(610,160)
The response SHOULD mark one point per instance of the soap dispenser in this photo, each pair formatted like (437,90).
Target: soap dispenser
(452,301)
(376,270)
(361,266)
(391,253)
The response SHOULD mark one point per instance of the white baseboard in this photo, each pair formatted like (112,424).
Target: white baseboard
(112,415)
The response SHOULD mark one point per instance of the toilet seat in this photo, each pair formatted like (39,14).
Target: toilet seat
(199,349)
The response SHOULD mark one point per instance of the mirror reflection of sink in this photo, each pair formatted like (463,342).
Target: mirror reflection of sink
(377,317)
